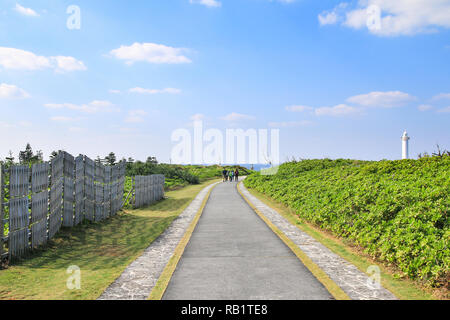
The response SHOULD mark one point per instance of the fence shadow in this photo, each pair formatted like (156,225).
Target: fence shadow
(98,246)
(168,205)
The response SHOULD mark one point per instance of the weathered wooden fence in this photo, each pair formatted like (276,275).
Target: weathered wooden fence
(148,189)
(41,199)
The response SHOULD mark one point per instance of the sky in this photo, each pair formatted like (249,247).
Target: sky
(339,79)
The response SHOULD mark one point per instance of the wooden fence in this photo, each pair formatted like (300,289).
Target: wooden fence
(148,189)
(64,192)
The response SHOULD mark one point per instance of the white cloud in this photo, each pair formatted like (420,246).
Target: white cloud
(328,18)
(442,96)
(424,107)
(6,125)
(396,18)
(333,16)
(62,119)
(339,110)
(356,19)
(17,59)
(198,117)
(151,53)
(154,91)
(26,11)
(283,1)
(444,110)
(67,64)
(388,99)
(290,124)
(237,117)
(376,99)
(9,91)
(77,129)
(127,130)
(208,3)
(114,91)
(298,108)
(136,116)
(91,107)
(25,123)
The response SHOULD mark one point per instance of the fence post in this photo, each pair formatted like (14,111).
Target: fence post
(1,214)
(133,187)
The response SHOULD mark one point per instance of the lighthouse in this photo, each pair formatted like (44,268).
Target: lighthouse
(405,146)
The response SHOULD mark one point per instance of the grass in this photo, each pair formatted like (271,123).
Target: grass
(102,251)
(402,288)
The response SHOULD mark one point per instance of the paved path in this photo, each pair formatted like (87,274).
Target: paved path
(139,278)
(233,254)
(349,278)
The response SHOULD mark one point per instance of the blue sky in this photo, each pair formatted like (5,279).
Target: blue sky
(133,73)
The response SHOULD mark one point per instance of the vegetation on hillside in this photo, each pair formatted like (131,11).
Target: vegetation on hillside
(179,175)
(176,175)
(398,211)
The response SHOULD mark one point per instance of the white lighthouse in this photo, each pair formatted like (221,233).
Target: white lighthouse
(405,146)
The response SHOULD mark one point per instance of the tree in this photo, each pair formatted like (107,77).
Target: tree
(53,155)
(28,157)
(440,153)
(39,156)
(152,160)
(130,160)
(10,158)
(111,159)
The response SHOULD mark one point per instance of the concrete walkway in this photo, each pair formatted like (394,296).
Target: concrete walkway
(233,254)
(355,283)
(139,278)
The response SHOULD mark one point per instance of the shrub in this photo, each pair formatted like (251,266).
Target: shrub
(397,210)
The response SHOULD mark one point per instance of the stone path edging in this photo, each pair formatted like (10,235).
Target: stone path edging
(139,278)
(355,283)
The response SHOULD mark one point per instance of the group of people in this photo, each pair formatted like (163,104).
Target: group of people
(230,175)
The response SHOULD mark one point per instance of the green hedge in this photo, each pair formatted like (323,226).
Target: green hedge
(397,210)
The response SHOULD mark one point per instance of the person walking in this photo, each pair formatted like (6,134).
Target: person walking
(236,175)
(225,175)
(231,175)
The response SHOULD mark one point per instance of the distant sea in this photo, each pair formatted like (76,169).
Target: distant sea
(256,167)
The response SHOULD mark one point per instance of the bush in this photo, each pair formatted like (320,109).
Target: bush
(397,210)
(178,175)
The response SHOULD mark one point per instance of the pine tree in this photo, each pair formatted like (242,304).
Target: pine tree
(152,160)
(110,159)
(53,155)
(10,158)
